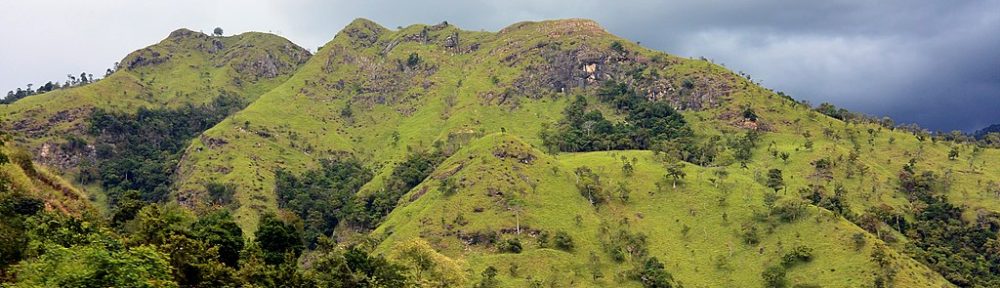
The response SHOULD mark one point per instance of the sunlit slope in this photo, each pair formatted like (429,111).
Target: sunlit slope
(375,94)
(504,185)
(186,68)
(372,92)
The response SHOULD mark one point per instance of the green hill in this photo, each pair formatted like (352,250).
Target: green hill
(548,153)
(186,68)
(375,94)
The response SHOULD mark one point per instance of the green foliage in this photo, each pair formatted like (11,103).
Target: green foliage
(743,147)
(323,197)
(617,47)
(646,123)
(799,254)
(774,277)
(675,172)
(276,239)
(749,114)
(219,230)
(590,186)
(818,196)
(837,113)
(652,274)
(621,244)
(221,194)
(136,151)
(448,186)
(413,60)
(775,180)
(789,210)
(489,278)
(95,265)
(404,177)
(563,241)
(512,245)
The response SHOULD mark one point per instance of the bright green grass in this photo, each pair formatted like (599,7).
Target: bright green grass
(711,255)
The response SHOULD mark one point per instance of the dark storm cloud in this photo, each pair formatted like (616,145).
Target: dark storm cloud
(931,62)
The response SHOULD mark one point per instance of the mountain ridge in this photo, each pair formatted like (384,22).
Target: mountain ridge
(537,150)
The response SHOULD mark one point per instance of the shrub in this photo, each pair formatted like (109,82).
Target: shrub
(797,255)
(774,277)
(512,245)
(563,241)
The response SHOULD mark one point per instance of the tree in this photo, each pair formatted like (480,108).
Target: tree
(617,47)
(413,60)
(675,171)
(489,278)
(774,277)
(220,230)
(563,241)
(432,269)
(448,186)
(277,239)
(775,180)
(953,154)
(217,31)
(589,184)
(94,265)
(652,274)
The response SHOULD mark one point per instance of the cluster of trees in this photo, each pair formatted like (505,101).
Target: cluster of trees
(624,246)
(966,253)
(167,246)
(646,123)
(164,245)
(405,176)
(323,197)
(71,81)
(326,197)
(136,151)
(774,276)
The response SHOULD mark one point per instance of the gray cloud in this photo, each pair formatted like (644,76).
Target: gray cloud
(931,62)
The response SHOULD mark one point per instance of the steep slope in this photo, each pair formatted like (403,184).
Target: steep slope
(20,178)
(186,68)
(372,93)
(376,95)
(508,190)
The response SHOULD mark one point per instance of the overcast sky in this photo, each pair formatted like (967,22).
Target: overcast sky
(936,63)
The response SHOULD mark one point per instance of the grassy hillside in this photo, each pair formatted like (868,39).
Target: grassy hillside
(186,68)
(438,145)
(695,229)
(21,178)
(376,94)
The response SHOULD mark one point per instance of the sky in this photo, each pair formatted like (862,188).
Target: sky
(934,63)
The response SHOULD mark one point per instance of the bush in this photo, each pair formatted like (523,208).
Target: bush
(774,277)
(563,241)
(512,245)
(221,194)
(413,60)
(618,47)
(799,254)
(651,274)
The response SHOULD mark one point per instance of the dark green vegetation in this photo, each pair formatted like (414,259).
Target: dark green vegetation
(323,198)
(548,154)
(646,124)
(136,152)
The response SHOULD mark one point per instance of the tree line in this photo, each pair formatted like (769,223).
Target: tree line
(72,80)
